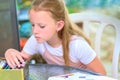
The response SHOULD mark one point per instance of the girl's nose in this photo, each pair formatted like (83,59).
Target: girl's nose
(35,29)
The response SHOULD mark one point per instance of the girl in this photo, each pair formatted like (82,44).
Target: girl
(56,38)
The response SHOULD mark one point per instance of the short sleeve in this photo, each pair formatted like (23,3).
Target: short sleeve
(81,51)
(30,46)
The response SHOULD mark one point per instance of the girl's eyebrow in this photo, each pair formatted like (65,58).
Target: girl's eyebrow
(37,23)
(41,24)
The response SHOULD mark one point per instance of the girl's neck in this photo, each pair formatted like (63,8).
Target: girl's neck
(55,42)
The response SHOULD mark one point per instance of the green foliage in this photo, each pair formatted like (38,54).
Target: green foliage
(77,5)
(73,5)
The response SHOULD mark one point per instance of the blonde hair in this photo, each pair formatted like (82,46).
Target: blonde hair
(59,12)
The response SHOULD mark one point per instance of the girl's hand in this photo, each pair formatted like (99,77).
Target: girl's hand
(14,58)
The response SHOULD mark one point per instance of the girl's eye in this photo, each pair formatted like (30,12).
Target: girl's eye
(41,26)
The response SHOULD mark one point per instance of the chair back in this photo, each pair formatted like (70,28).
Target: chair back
(89,17)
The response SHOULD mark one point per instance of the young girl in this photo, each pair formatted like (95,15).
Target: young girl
(56,38)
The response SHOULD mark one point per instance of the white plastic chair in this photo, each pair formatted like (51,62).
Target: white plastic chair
(103,20)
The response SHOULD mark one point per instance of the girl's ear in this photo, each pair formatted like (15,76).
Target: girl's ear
(60,25)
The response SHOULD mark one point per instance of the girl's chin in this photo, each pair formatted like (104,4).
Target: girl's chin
(40,41)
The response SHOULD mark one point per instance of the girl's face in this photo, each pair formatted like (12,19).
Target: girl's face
(44,26)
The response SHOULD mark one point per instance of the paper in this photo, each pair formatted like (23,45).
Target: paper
(79,76)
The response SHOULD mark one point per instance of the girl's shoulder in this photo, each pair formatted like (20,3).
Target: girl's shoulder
(76,37)
(78,41)
(81,50)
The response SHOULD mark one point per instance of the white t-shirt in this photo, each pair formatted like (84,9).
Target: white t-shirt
(79,49)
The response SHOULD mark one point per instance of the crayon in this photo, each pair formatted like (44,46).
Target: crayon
(5,65)
(1,65)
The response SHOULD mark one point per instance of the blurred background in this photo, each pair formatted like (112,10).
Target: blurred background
(107,7)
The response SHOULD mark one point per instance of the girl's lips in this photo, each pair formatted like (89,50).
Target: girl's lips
(37,37)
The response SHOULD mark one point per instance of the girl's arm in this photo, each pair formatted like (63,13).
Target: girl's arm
(97,66)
